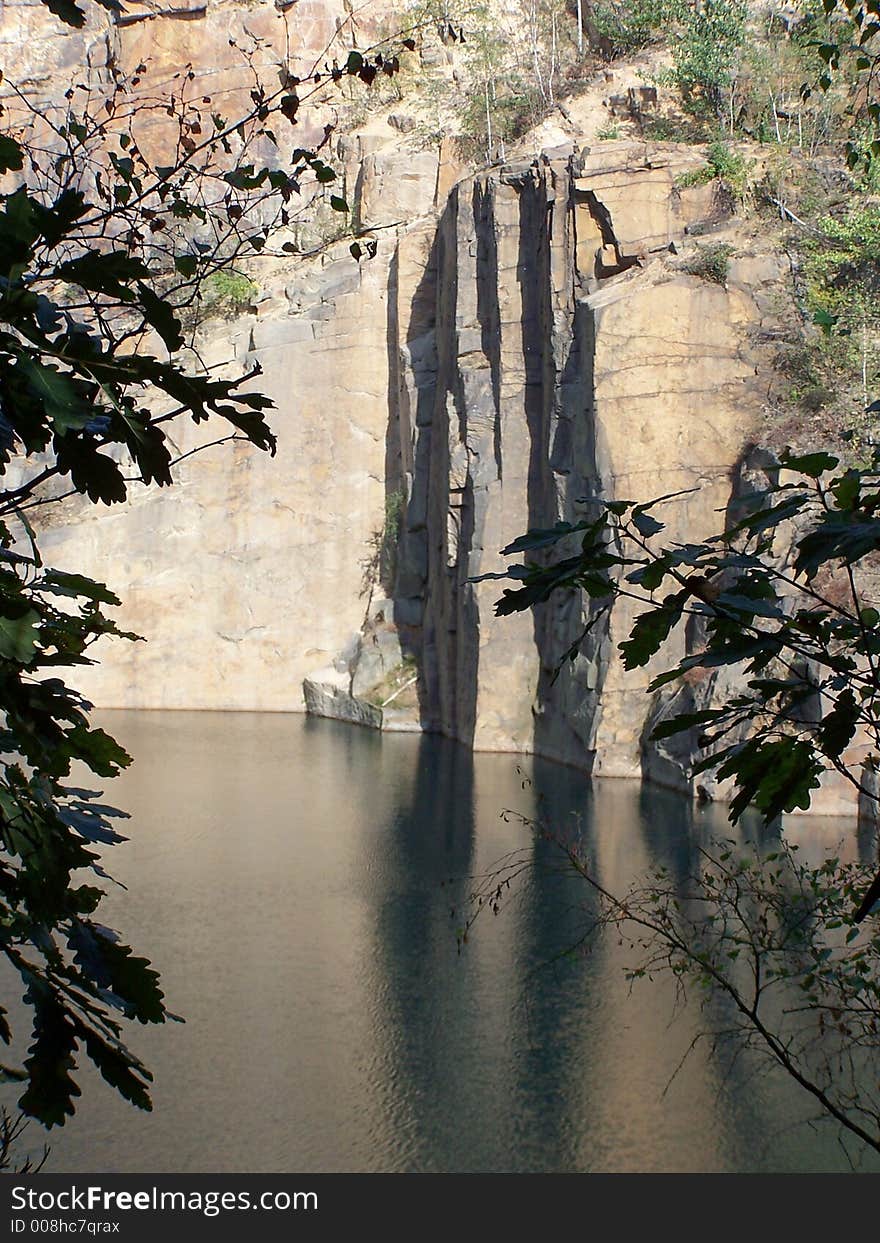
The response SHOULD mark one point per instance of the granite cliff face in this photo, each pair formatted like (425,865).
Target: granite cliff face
(562,354)
(523,340)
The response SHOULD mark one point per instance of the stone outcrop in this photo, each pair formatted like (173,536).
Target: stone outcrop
(553,345)
(207,55)
(326,694)
(563,356)
(221,42)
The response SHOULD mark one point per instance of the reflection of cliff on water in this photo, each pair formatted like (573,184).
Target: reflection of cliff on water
(580,1011)
(293,880)
(522,1057)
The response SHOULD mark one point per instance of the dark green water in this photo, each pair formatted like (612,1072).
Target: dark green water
(285,876)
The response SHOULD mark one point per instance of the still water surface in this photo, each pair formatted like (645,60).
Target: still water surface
(285,877)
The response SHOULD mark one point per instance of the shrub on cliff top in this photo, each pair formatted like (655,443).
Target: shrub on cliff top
(625,26)
(710,263)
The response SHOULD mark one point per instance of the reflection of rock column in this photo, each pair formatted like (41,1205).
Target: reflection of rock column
(504,1059)
(452,1034)
(597,1053)
(716,1113)
(421,1009)
(631,1050)
(553,997)
(255,840)
(525,1064)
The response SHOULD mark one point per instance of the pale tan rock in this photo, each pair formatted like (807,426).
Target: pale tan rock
(392,191)
(260,560)
(326,697)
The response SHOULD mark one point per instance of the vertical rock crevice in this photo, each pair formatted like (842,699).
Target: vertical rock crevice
(572,361)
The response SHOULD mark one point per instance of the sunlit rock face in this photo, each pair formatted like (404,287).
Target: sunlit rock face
(223,42)
(205,54)
(255,571)
(523,340)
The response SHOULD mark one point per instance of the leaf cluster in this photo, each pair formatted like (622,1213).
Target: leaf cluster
(78,976)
